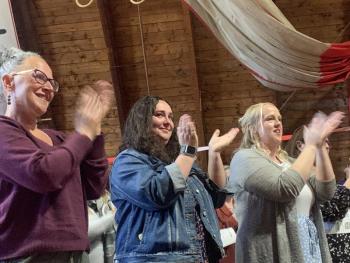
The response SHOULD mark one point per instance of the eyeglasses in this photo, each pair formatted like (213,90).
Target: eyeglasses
(41,78)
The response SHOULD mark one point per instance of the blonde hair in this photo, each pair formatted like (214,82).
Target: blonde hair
(250,122)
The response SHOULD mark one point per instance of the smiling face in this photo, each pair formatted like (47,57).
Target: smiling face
(162,121)
(270,128)
(30,97)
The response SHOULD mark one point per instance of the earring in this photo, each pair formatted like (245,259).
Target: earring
(9,99)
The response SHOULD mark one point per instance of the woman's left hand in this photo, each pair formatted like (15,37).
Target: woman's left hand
(105,91)
(218,143)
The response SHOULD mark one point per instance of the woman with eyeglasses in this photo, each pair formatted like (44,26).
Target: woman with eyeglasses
(277,198)
(46,176)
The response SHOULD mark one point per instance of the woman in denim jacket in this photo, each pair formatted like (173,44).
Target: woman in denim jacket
(165,204)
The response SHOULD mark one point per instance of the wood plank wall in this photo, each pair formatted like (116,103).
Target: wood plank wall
(324,20)
(71,40)
(167,50)
(227,87)
(167,53)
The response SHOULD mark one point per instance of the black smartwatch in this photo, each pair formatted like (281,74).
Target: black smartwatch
(188,150)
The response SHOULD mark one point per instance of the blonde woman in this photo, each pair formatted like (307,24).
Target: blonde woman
(276,197)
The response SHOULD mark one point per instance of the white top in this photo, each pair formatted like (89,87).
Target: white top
(305,201)
(306,198)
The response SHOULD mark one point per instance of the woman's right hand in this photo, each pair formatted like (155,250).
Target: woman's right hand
(186,131)
(320,127)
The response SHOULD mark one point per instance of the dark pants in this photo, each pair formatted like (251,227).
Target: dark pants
(54,257)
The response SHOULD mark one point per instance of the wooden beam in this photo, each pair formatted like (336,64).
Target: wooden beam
(202,158)
(28,41)
(27,35)
(107,25)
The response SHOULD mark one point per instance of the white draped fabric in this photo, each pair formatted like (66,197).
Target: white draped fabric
(260,37)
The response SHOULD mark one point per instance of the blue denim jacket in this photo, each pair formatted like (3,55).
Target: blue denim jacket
(154,218)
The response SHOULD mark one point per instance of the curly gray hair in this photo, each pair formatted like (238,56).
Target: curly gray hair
(10,58)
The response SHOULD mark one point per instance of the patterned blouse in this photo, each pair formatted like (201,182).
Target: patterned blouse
(201,236)
(333,212)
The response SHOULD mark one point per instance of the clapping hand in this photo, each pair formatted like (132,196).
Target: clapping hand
(218,143)
(321,126)
(186,131)
(104,89)
(92,106)
(332,122)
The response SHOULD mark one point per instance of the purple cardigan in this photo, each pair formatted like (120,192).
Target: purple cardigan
(43,190)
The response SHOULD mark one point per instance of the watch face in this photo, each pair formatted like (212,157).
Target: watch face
(188,150)
(191,149)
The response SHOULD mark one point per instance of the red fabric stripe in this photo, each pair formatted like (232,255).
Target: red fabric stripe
(335,64)
(110,160)
(337,50)
(286,137)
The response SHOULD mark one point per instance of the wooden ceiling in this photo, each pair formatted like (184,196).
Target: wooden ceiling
(160,48)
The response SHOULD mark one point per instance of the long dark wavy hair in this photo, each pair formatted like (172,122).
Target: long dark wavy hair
(139,136)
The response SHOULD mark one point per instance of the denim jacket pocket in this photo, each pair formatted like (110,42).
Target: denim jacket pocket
(143,236)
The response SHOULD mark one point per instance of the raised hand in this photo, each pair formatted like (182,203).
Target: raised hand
(186,131)
(219,143)
(106,93)
(332,122)
(89,113)
(92,106)
(321,126)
